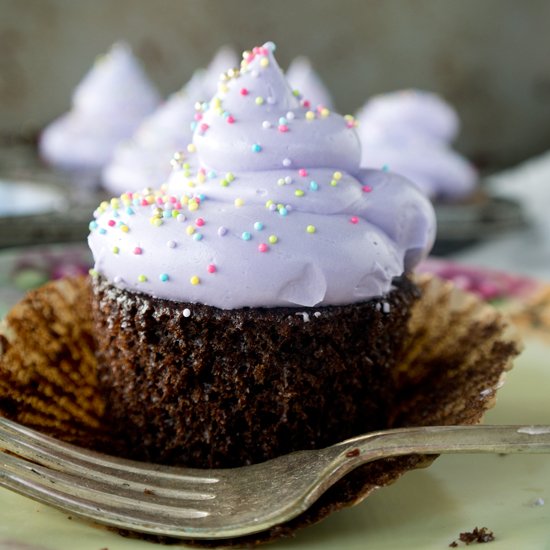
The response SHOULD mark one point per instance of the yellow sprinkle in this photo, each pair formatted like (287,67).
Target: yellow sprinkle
(191,183)
(239,203)
(310,115)
(272,239)
(246,54)
(334,183)
(259,100)
(116,250)
(325,112)
(201,176)
(150,199)
(115,203)
(224,183)
(229,176)
(191,148)
(264,62)
(223,88)
(124,228)
(194,280)
(193,205)
(311,229)
(175,213)
(216,102)
(337,176)
(299,193)
(269,203)
(157,222)
(142,278)
(189,229)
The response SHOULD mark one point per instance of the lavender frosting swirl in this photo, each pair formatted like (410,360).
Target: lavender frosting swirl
(279,213)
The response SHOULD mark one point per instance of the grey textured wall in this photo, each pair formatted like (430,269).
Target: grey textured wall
(490,58)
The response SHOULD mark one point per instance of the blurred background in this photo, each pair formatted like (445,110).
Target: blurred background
(488,59)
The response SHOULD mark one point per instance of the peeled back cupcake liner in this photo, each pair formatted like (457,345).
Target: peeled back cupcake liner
(452,364)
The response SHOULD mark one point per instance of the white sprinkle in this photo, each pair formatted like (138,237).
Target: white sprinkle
(254,73)
(271,100)
(290,115)
(305,316)
(317,314)
(186,312)
(266,124)
(386,307)
(287,162)
(181,217)
(171,244)
(288,180)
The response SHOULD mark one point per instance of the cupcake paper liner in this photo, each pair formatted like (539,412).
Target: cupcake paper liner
(451,367)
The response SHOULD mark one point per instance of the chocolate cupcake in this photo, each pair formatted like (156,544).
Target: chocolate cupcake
(260,306)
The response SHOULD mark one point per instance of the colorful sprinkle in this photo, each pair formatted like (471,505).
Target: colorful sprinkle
(354,219)
(211,268)
(310,115)
(197,236)
(264,62)
(199,222)
(259,100)
(302,172)
(299,193)
(272,239)
(195,280)
(262,247)
(282,128)
(238,202)
(230,119)
(313,185)
(256,148)
(311,229)
(138,250)
(258,226)
(163,277)
(111,223)
(142,278)
(244,91)
(116,249)
(337,176)
(246,236)
(189,229)
(366,188)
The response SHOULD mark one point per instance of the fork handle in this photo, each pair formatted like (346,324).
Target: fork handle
(448,439)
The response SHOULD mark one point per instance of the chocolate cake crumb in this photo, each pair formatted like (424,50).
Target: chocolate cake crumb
(479,535)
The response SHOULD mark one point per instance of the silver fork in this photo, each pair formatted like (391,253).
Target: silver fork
(223,503)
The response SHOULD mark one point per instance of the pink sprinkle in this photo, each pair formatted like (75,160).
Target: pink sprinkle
(244,91)
(350,124)
(306,103)
(204,127)
(262,50)
(144,202)
(302,172)
(173,199)
(160,202)
(319,108)
(198,116)
(262,247)
(256,49)
(250,57)
(230,119)
(137,250)
(354,219)
(199,222)
(211,268)
(202,171)
(111,223)
(283,128)
(367,188)
(177,205)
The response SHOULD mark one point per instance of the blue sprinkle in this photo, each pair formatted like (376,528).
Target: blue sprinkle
(167,214)
(258,226)
(93,225)
(102,231)
(211,175)
(130,211)
(163,277)
(256,148)
(193,126)
(313,185)
(246,236)
(197,236)
(201,197)
(385,168)
(283,211)
(283,120)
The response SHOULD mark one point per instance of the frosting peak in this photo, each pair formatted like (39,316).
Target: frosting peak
(256,111)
